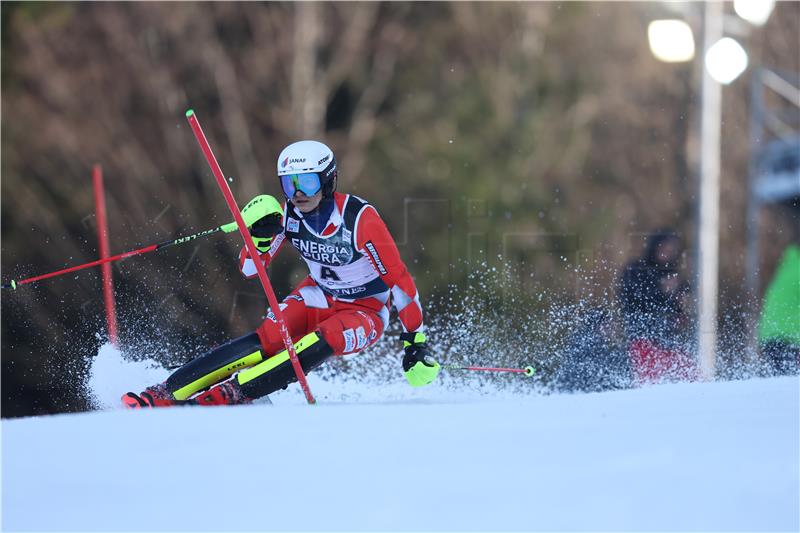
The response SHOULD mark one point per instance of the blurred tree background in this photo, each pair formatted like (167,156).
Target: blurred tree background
(539,135)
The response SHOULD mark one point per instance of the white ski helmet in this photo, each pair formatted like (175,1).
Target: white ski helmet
(302,158)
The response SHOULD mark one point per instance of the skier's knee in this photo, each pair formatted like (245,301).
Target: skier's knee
(269,332)
(351,332)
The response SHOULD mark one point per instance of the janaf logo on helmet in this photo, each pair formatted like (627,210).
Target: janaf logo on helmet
(288,161)
(332,254)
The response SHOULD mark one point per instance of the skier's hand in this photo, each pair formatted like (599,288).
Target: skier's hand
(264,230)
(259,207)
(419,366)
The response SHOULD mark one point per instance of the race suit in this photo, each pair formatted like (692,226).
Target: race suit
(355,274)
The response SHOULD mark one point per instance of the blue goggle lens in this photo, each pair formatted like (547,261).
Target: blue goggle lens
(307,183)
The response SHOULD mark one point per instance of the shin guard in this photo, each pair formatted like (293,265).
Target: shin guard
(215,366)
(277,372)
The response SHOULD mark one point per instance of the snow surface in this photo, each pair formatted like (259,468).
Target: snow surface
(702,456)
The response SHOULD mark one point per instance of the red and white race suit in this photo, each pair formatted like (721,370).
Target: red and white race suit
(355,272)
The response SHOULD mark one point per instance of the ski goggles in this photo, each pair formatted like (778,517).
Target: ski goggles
(308,183)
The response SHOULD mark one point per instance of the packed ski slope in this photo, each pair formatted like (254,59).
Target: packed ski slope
(718,456)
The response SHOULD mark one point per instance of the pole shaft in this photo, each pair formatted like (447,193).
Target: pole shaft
(492,369)
(181,240)
(752,217)
(484,368)
(251,249)
(102,239)
(146,249)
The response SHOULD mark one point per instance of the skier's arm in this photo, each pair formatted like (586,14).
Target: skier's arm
(246,264)
(374,240)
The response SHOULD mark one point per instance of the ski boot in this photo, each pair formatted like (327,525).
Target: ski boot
(226,393)
(155,396)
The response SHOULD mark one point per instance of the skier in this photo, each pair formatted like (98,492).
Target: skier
(341,308)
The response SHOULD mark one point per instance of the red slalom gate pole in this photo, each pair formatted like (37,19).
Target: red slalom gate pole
(102,239)
(251,249)
(528,370)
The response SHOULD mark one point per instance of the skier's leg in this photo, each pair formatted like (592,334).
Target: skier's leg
(344,332)
(215,366)
(302,310)
(271,375)
(200,373)
(306,307)
(220,363)
(351,330)
(223,362)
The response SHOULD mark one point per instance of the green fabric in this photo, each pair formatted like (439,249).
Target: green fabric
(421,374)
(780,315)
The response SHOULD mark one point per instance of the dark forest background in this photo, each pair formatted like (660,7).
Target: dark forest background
(542,136)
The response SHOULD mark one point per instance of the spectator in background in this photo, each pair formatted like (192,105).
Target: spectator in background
(651,295)
(779,326)
(591,362)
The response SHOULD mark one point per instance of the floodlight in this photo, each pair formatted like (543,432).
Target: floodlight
(671,40)
(754,11)
(725,60)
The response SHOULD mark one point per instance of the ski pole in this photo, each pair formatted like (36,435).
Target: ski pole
(255,209)
(528,370)
(152,248)
(251,249)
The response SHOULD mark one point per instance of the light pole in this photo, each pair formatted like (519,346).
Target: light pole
(723,61)
(708,224)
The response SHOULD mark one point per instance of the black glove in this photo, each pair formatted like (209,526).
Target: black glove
(264,230)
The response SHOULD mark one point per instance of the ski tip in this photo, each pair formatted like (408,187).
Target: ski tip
(189,113)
